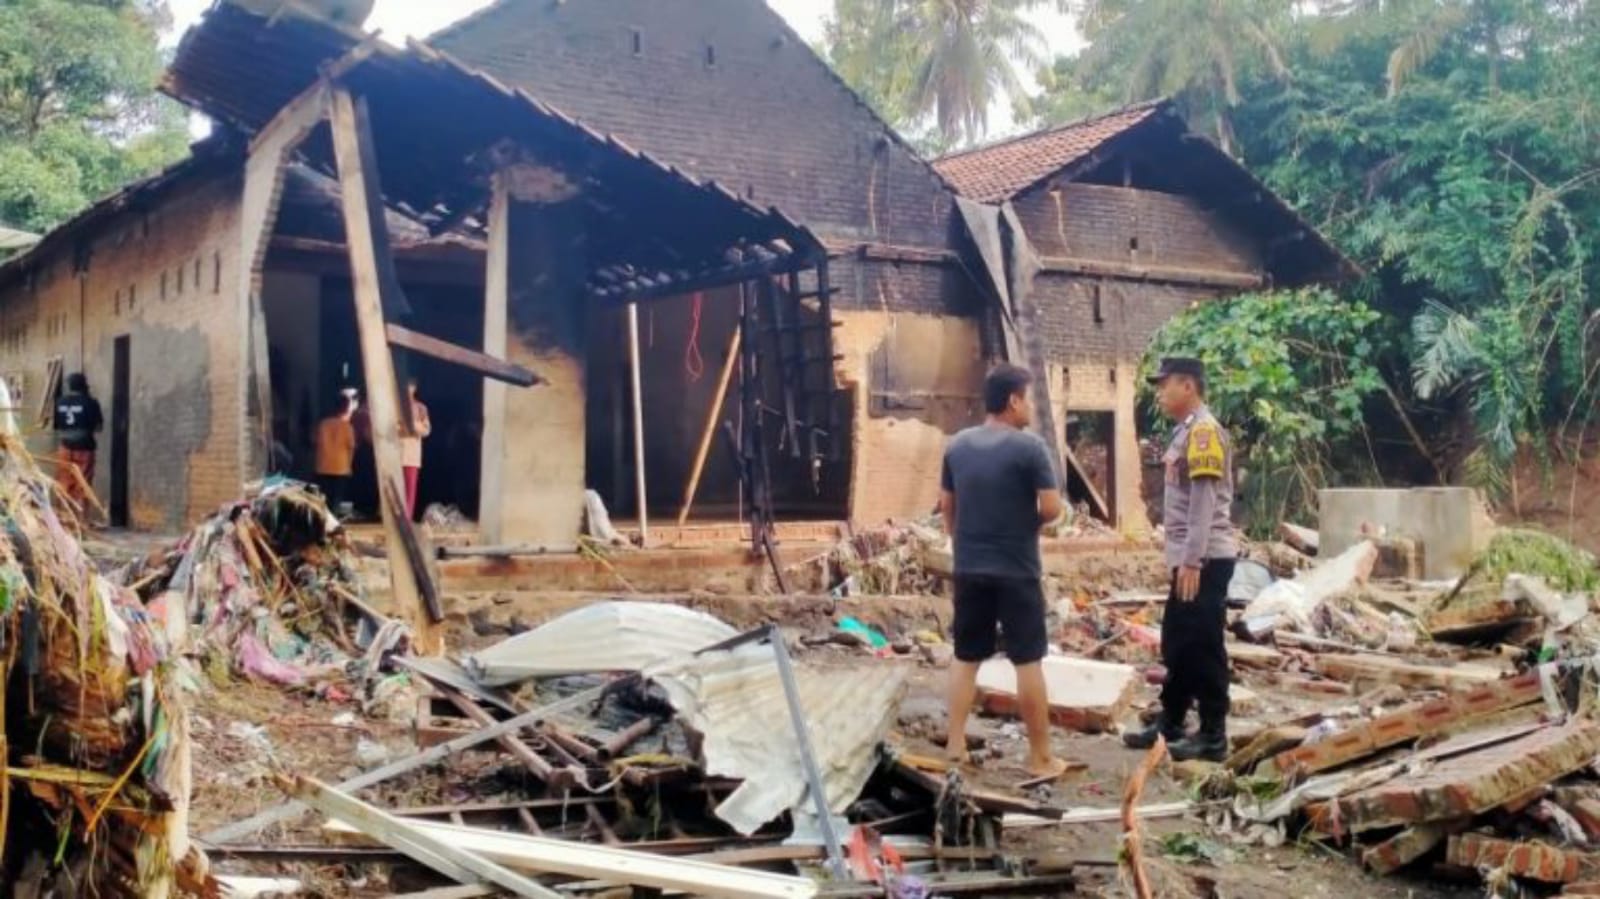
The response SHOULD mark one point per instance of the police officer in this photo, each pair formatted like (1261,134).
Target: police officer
(1200,552)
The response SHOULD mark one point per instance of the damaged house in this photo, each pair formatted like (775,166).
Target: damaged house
(812,304)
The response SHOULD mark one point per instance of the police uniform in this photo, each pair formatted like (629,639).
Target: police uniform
(1199,534)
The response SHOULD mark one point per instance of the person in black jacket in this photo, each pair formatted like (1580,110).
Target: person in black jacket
(77,421)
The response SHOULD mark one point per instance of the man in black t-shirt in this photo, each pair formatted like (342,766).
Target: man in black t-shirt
(77,420)
(999,489)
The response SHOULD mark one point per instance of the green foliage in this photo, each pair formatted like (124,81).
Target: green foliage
(1562,565)
(1289,374)
(935,68)
(79,115)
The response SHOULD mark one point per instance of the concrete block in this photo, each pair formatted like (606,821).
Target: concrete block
(1401,725)
(1085,695)
(1468,784)
(1534,861)
(1450,524)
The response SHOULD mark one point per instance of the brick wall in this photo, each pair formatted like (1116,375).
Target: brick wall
(1118,224)
(1128,314)
(164,277)
(724,90)
(923,288)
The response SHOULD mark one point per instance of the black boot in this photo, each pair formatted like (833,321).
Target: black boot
(1171,729)
(1209,744)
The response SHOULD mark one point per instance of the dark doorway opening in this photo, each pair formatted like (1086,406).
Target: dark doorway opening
(317,353)
(1091,437)
(121,378)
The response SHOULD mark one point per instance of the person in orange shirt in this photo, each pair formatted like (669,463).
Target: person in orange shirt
(336,452)
(411,446)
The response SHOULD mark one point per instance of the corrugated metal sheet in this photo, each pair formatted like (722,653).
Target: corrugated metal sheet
(607,636)
(735,698)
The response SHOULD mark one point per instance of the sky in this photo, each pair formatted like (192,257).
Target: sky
(401,19)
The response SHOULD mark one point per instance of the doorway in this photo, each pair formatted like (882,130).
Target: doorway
(121,376)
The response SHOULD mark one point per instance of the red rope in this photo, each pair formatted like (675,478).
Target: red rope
(693,362)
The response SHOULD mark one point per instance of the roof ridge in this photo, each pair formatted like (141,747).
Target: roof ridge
(1057,129)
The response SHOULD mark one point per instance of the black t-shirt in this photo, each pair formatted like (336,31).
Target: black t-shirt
(77,420)
(996,474)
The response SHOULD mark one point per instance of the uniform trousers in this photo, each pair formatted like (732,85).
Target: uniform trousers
(1193,651)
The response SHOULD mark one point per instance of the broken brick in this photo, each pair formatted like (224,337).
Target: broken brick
(1402,725)
(1534,861)
(1467,784)
(1408,845)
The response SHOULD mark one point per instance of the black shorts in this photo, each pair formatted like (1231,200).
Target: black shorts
(1013,606)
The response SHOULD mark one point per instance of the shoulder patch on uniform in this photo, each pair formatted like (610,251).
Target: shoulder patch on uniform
(1205,453)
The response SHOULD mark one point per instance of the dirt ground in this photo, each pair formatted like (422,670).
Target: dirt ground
(244,733)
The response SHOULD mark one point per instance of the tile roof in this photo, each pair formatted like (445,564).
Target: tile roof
(1000,171)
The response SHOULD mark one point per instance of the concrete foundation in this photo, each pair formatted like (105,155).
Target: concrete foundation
(1450,524)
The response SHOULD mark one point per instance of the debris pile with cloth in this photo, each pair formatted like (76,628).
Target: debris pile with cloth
(272,594)
(97,743)
(633,733)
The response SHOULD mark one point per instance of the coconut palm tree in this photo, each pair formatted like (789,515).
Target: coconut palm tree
(1195,50)
(944,62)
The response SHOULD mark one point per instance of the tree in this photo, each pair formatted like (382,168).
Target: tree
(1289,374)
(1196,51)
(939,64)
(79,115)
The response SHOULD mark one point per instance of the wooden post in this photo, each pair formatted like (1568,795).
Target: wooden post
(710,431)
(640,491)
(496,290)
(410,583)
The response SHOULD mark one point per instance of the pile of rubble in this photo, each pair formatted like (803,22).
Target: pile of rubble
(915,557)
(1467,740)
(654,746)
(272,594)
(97,743)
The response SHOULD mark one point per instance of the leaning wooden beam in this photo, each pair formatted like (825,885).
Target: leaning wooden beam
(433,755)
(710,430)
(442,854)
(412,584)
(1124,271)
(611,864)
(472,360)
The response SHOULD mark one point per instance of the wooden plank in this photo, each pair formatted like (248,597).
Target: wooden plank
(1376,669)
(496,293)
(472,360)
(613,865)
(411,584)
(536,765)
(710,431)
(438,852)
(1163,273)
